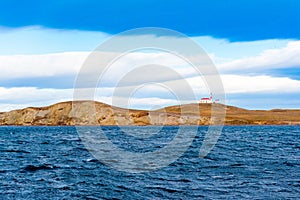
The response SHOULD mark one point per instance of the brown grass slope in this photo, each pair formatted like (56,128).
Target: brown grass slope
(96,113)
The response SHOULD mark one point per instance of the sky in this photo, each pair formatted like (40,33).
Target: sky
(255,46)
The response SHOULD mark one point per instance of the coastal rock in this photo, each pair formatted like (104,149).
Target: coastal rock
(96,113)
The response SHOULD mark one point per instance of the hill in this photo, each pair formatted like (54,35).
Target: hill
(96,113)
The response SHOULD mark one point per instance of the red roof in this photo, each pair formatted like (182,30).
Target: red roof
(205,98)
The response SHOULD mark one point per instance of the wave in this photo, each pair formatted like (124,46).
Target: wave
(33,168)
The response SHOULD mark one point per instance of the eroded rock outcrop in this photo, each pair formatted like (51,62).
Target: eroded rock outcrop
(96,113)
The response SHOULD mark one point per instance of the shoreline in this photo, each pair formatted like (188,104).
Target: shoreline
(93,113)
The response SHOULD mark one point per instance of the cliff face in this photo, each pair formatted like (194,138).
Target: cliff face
(96,113)
(91,113)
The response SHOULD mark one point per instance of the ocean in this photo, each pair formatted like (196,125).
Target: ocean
(248,162)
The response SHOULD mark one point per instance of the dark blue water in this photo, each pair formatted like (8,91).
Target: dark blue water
(247,162)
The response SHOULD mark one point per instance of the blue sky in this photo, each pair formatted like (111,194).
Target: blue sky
(254,44)
(232,19)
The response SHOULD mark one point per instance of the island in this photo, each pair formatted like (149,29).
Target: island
(97,113)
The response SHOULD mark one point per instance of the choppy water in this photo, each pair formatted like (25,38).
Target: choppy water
(247,162)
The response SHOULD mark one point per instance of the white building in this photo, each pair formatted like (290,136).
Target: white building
(207,100)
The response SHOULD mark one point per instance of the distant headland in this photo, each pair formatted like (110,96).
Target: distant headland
(65,113)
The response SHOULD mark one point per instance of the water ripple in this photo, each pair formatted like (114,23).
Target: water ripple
(248,162)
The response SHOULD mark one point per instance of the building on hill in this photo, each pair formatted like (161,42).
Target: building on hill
(206,99)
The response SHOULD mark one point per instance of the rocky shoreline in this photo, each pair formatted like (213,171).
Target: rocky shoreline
(96,113)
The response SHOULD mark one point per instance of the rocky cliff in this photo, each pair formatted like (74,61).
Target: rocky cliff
(96,113)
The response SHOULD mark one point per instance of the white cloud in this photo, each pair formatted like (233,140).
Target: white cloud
(46,65)
(33,95)
(18,98)
(51,65)
(41,40)
(32,40)
(230,57)
(69,63)
(234,84)
(286,57)
(222,48)
(28,52)
(259,84)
